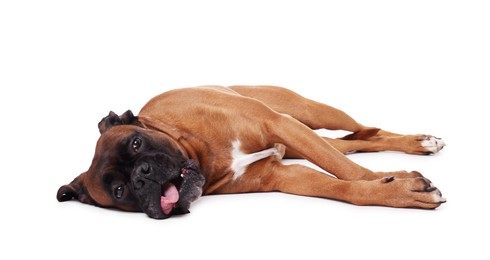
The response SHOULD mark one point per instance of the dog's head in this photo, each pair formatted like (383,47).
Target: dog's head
(136,169)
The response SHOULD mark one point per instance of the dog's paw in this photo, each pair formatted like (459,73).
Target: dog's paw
(421,144)
(430,144)
(416,192)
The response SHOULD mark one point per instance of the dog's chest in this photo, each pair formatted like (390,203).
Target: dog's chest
(240,160)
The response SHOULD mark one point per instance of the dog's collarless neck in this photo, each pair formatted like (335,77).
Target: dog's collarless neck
(176,134)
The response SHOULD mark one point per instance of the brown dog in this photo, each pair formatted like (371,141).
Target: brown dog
(211,140)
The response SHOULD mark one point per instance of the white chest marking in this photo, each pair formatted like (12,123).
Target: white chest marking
(242,160)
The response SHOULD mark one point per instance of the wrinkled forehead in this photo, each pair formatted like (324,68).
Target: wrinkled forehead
(110,147)
(106,158)
(113,138)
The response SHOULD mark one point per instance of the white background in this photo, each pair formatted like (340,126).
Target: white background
(406,66)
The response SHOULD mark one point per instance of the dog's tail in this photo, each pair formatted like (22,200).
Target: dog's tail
(362,134)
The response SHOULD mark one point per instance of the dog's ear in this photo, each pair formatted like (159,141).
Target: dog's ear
(113,119)
(75,190)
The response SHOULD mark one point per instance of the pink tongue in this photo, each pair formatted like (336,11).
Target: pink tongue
(169,198)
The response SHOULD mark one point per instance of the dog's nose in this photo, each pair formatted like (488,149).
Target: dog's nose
(143,168)
(140,171)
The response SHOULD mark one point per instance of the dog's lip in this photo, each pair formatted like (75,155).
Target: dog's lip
(170,193)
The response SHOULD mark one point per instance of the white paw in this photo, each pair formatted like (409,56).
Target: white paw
(432,144)
(437,197)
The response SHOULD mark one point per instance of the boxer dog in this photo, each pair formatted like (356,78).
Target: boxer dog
(216,140)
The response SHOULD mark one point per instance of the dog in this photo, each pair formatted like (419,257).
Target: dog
(219,140)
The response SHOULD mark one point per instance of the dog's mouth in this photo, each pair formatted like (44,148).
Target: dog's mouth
(170,195)
(162,193)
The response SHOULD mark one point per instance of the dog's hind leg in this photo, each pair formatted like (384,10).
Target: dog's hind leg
(311,113)
(316,115)
(411,144)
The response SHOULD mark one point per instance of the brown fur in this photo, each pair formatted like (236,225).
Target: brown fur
(203,122)
(257,118)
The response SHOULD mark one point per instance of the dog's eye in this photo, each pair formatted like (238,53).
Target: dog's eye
(136,144)
(118,191)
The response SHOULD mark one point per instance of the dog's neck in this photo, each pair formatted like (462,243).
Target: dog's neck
(179,137)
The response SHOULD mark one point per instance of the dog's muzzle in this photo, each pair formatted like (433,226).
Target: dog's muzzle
(165,186)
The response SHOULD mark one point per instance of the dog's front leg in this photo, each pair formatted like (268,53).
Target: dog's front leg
(298,137)
(389,191)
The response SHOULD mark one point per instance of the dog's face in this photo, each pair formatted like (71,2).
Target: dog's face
(136,169)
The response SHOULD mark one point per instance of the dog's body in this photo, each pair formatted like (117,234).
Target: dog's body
(214,140)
